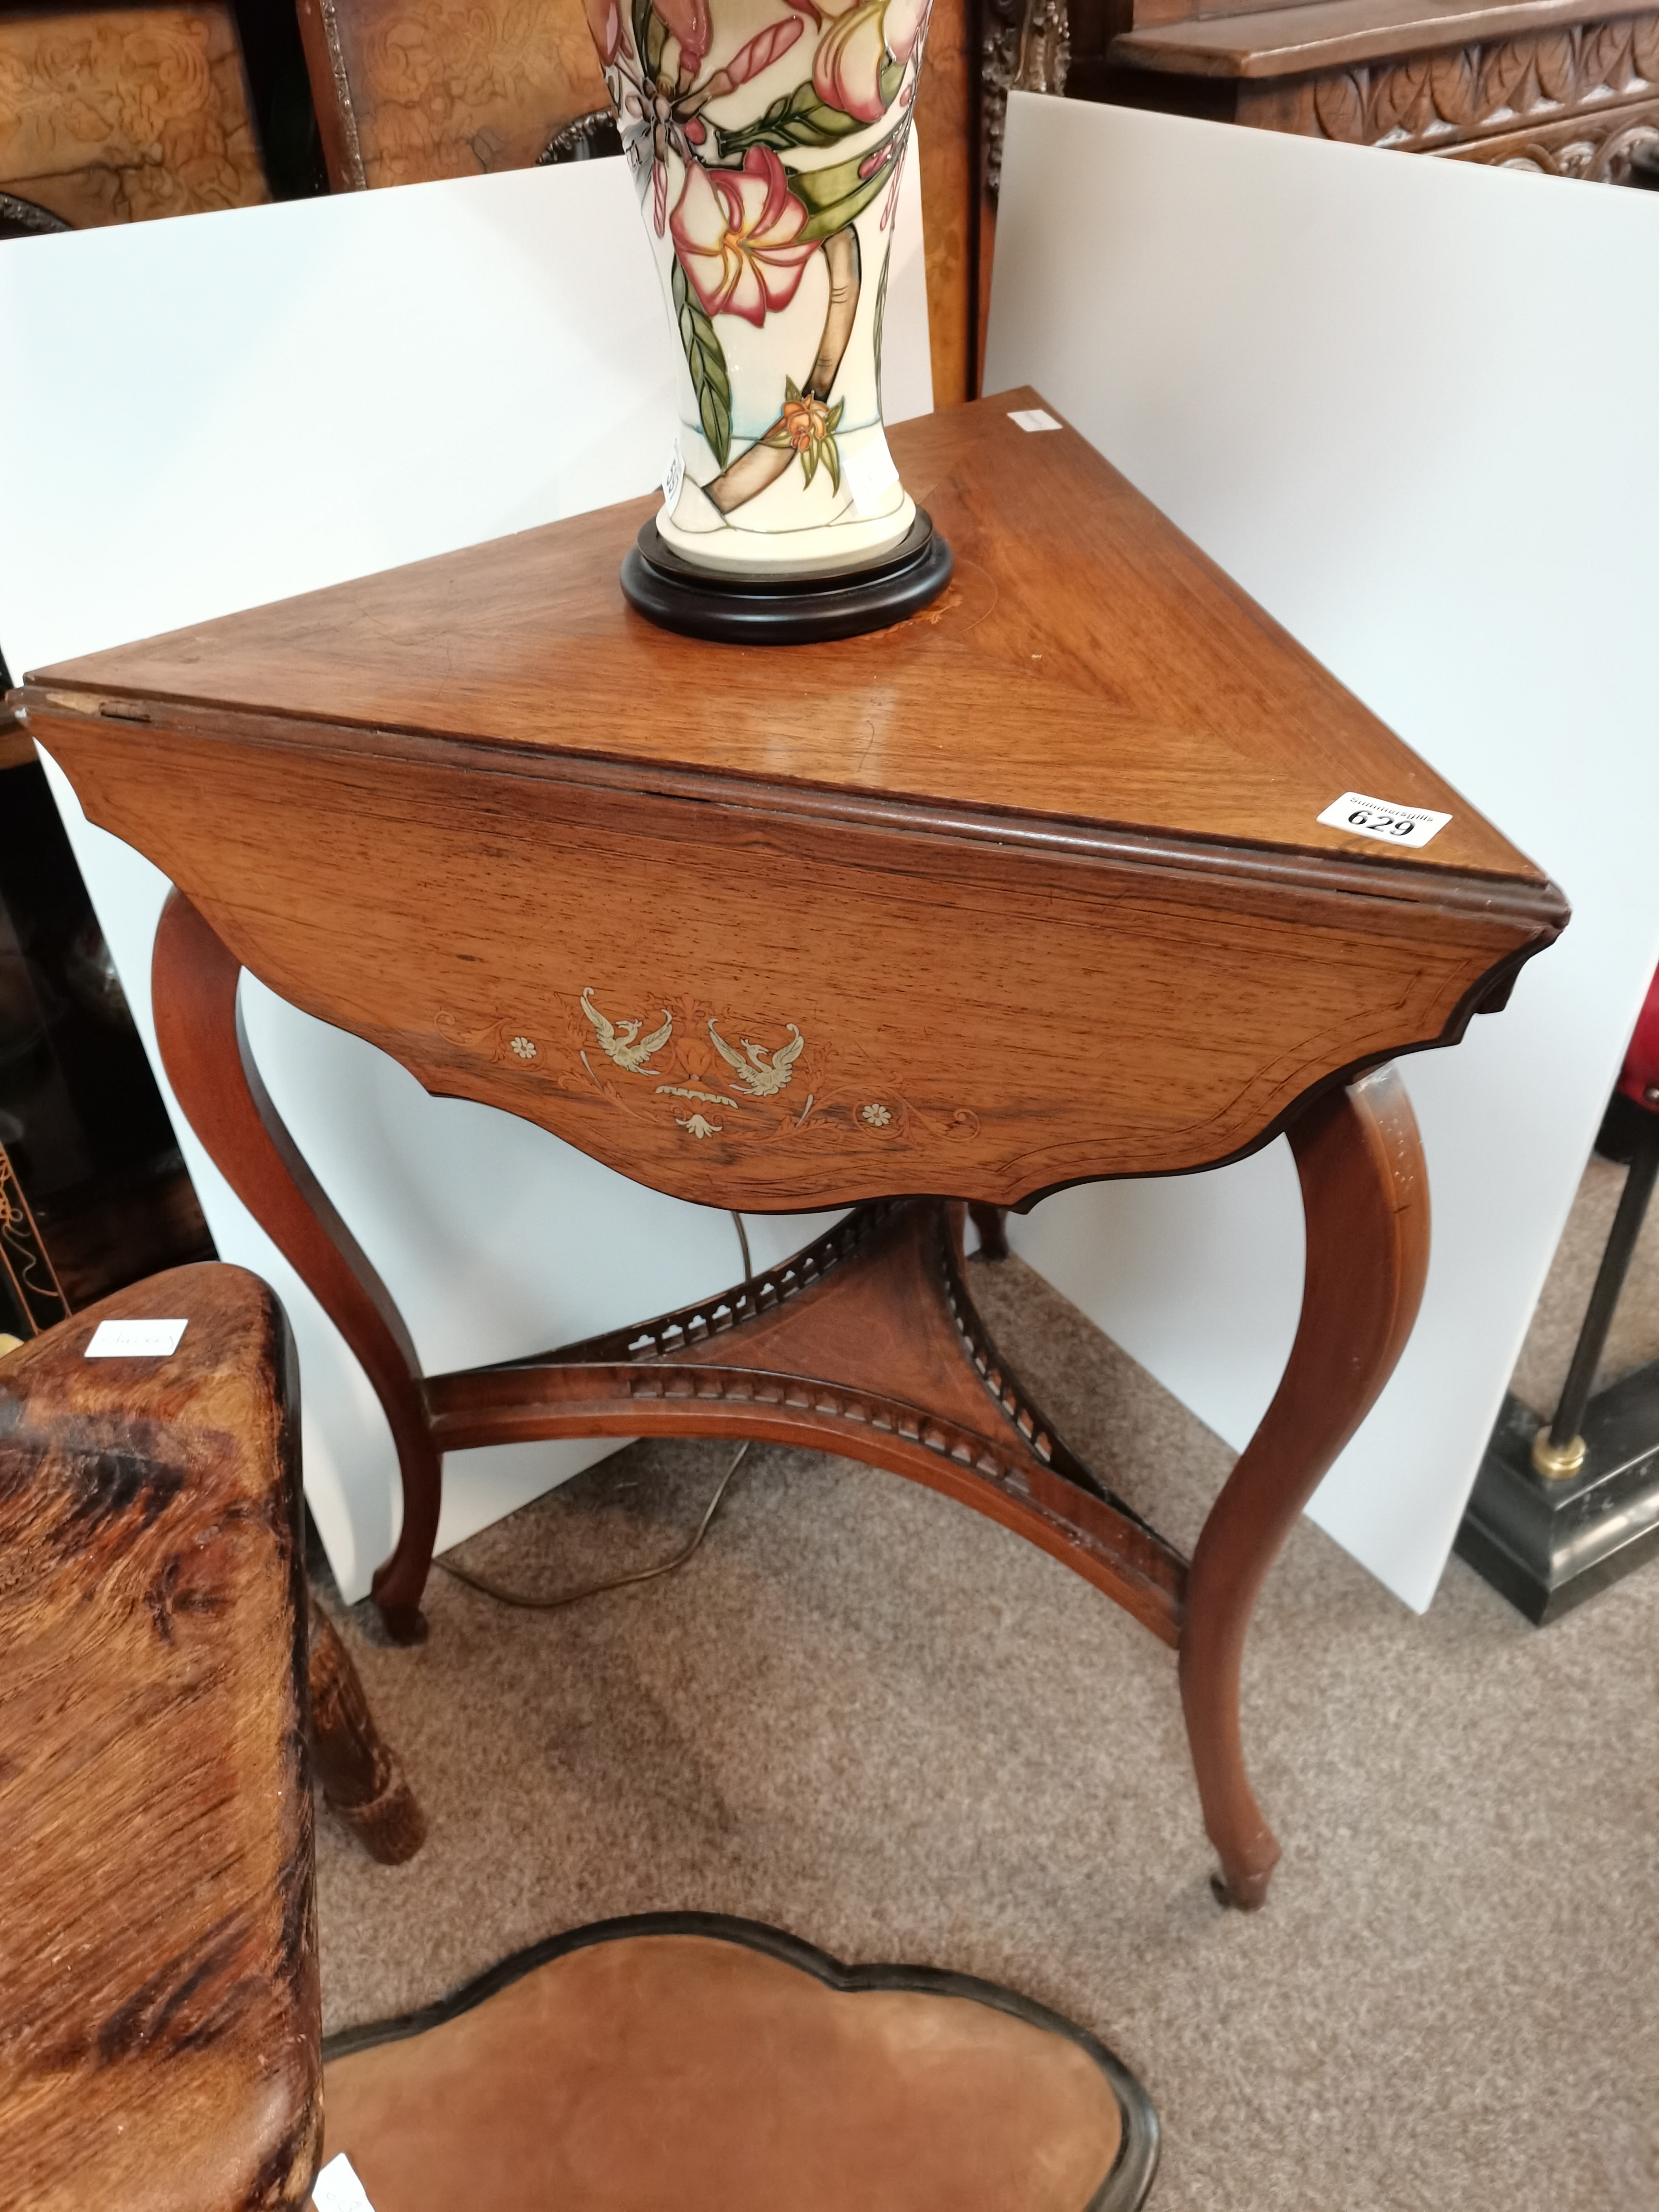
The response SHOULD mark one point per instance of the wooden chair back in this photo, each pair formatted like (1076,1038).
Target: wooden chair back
(160,2021)
(118,113)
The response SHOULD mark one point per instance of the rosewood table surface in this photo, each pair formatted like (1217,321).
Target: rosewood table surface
(1028,890)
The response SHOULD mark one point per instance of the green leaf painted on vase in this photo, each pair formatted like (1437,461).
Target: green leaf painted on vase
(836,196)
(705,359)
(831,450)
(798,118)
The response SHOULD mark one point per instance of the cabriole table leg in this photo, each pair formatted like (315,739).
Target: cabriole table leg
(1364,1190)
(203,1048)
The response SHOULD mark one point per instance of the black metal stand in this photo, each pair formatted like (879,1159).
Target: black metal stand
(787,609)
(1559,1513)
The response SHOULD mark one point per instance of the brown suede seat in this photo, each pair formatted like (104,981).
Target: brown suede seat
(710,2066)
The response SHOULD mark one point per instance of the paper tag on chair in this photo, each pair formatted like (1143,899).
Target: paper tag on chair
(338,2189)
(135,1340)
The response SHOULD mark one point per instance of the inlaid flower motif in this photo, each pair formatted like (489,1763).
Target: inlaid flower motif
(877,1117)
(735,232)
(853,54)
(524,1047)
(697,1126)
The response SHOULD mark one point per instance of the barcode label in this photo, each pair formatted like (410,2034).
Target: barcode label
(674,474)
(1380,817)
(135,1340)
(1034,418)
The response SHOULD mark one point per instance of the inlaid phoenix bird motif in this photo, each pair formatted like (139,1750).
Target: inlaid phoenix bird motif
(764,1072)
(617,1040)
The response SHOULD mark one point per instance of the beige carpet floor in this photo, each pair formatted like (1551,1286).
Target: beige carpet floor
(867,1715)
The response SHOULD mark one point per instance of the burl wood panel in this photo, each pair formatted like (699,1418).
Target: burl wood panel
(408,90)
(160,2030)
(119,114)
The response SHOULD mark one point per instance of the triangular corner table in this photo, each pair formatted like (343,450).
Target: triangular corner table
(1030,890)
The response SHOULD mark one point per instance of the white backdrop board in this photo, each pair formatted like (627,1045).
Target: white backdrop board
(1409,404)
(228,409)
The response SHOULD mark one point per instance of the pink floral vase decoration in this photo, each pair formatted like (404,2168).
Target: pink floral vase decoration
(766,138)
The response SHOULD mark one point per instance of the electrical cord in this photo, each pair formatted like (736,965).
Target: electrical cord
(487,1589)
(743,1239)
(616,1582)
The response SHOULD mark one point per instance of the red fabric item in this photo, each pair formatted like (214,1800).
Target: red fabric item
(1640,1077)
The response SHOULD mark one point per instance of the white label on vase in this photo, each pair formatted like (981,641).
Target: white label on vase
(1034,418)
(337,2189)
(674,475)
(1380,818)
(135,1340)
(870,473)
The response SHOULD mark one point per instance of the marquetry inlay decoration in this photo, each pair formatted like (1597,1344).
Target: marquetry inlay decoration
(118,114)
(1458,98)
(709,1072)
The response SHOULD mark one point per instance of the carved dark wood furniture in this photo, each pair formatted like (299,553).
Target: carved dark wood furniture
(159,2028)
(1567,87)
(409,90)
(121,113)
(1027,891)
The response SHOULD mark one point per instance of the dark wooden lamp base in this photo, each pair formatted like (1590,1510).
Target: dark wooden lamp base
(786,609)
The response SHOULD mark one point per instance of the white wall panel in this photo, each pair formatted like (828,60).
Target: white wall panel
(1409,404)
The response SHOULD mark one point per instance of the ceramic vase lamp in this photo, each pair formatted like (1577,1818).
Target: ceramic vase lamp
(766,138)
